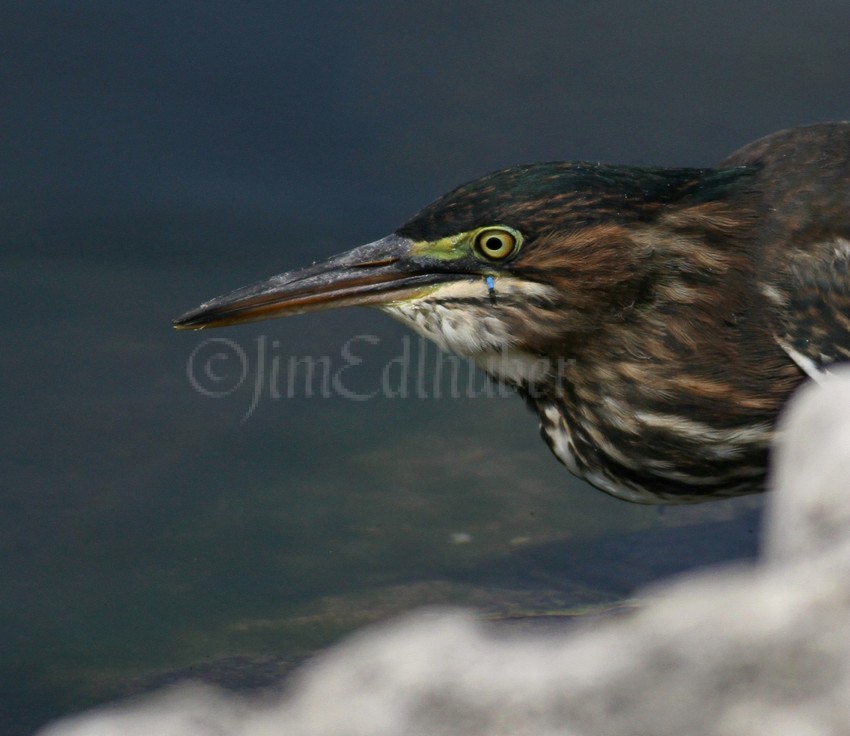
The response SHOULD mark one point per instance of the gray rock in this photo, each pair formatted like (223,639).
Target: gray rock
(757,649)
(811,511)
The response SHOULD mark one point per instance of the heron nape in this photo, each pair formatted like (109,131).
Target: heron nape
(656,319)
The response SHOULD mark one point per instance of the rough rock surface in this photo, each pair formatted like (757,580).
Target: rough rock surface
(758,649)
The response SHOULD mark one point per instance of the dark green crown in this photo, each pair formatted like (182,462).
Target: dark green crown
(543,197)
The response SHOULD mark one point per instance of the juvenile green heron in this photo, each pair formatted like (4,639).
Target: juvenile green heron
(655,319)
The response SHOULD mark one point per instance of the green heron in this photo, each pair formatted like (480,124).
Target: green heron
(656,319)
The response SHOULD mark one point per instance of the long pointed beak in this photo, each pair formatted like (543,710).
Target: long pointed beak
(376,273)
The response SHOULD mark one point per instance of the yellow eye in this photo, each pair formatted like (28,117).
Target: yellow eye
(496,243)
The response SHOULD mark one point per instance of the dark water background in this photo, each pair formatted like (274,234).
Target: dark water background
(156,154)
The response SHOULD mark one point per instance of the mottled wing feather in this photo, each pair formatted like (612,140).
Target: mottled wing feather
(814,318)
(804,176)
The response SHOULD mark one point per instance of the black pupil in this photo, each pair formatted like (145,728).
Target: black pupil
(494,243)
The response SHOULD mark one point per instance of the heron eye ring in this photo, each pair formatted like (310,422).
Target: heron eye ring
(496,243)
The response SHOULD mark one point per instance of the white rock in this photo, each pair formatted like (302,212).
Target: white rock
(745,651)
